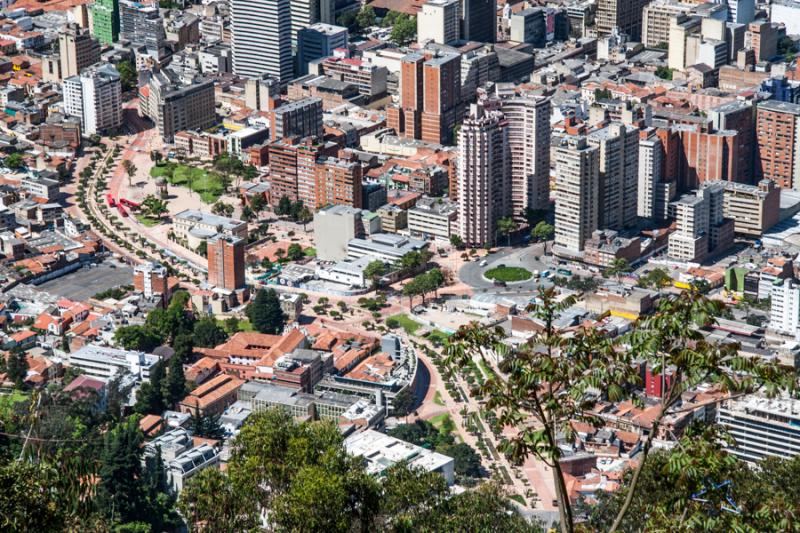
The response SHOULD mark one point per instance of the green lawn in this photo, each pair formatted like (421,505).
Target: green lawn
(406,323)
(147,221)
(509,274)
(209,185)
(443,423)
(7,400)
(438,335)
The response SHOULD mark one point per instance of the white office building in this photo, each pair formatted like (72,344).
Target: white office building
(761,427)
(387,247)
(103,362)
(618,146)
(95,97)
(784,313)
(262,38)
(439,21)
(577,194)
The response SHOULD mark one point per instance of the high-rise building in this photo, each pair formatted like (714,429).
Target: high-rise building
(761,427)
(623,14)
(430,97)
(701,226)
(753,208)
(439,21)
(656,18)
(77,50)
(338,182)
(262,38)
(226,262)
(762,38)
(784,313)
(151,279)
(741,11)
(302,118)
(738,116)
(655,191)
(577,193)
(484,176)
(175,106)
(105,21)
(528,119)
(618,146)
(777,134)
(95,97)
(317,41)
(308,12)
(479,20)
(529,26)
(142,25)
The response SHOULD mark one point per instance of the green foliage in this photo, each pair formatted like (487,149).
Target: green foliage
(619,267)
(208,333)
(139,338)
(295,252)
(28,501)
(657,278)
(174,386)
(602,94)
(265,312)
(507,226)
(404,30)
(207,426)
(403,402)
(154,207)
(14,161)
(365,17)
(128,76)
(348,20)
(17,367)
(150,396)
(202,249)
(456,241)
(665,73)
(542,231)
(116,293)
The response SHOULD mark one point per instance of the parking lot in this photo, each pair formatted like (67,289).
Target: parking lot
(88,281)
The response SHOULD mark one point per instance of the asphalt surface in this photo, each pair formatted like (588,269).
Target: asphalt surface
(472,273)
(88,281)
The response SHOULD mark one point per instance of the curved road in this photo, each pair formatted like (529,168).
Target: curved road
(472,272)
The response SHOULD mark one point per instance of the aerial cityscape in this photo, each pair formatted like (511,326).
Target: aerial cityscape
(400,265)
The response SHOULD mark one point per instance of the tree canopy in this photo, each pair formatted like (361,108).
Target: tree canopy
(265,312)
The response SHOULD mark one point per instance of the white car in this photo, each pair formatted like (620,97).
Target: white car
(484,263)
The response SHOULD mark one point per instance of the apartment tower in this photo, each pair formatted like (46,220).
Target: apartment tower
(484,176)
(77,50)
(577,194)
(618,146)
(528,120)
(226,262)
(777,135)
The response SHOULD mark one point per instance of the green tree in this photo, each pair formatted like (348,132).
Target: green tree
(543,232)
(619,267)
(28,501)
(404,30)
(14,161)
(295,252)
(129,78)
(665,73)
(202,249)
(507,226)
(284,207)
(456,241)
(266,264)
(211,502)
(130,169)
(366,17)
(305,216)
(140,338)
(119,490)
(150,396)
(231,324)
(154,207)
(258,203)
(207,426)
(183,346)
(265,312)
(17,367)
(348,20)
(174,386)
(657,278)
(208,333)
(374,271)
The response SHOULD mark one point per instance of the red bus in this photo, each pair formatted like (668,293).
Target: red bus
(110,200)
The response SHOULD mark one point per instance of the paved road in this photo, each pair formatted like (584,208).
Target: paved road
(472,272)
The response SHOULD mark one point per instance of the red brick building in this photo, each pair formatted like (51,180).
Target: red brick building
(226,262)
(776,133)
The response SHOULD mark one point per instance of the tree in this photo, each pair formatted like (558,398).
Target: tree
(266,264)
(506,226)
(366,17)
(265,312)
(127,75)
(665,73)
(119,490)
(29,501)
(258,203)
(202,248)
(456,241)
(434,280)
(467,461)
(284,208)
(531,370)
(139,338)
(619,267)
(17,367)
(656,279)
(348,20)
(543,232)
(211,499)
(208,333)
(374,271)
(14,161)
(404,30)
(130,169)
(207,426)
(222,208)
(156,156)
(174,386)
(154,207)
(183,346)
(305,216)
(232,324)
(295,252)
(150,396)
(403,403)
